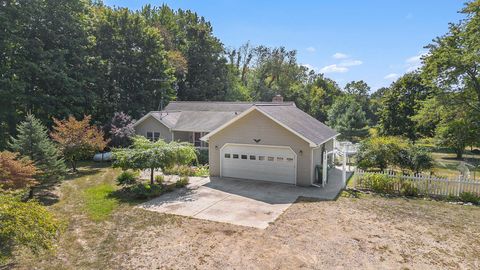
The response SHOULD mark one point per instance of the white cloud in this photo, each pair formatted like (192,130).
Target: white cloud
(391,76)
(311,49)
(414,62)
(333,69)
(350,63)
(339,55)
(310,67)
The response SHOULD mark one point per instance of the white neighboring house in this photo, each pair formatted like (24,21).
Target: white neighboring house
(269,141)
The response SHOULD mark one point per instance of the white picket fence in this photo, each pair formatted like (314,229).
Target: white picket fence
(427,184)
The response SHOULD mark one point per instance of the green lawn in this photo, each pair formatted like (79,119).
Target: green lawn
(445,164)
(99,203)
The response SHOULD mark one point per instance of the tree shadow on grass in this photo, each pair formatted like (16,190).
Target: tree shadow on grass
(125,196)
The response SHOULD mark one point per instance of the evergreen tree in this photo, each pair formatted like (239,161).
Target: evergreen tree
(33,141)
(347,117)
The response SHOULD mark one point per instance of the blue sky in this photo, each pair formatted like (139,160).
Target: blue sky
(371,40)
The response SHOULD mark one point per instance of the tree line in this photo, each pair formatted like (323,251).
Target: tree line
(70,57)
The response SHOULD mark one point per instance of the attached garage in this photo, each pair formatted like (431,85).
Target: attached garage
(258,162)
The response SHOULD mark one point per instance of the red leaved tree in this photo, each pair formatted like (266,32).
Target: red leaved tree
(16,172)
(77,138)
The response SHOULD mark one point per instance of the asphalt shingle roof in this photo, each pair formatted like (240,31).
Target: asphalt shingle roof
(208,116)
(300,122)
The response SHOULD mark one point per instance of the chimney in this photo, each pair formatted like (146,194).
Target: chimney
(277,99)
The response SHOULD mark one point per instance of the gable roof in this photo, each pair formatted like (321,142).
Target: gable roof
(217,106)
(202,121)
(293,119)
(201,116)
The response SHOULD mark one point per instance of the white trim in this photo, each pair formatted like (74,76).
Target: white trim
(206,137)
(259,145)
(145,118)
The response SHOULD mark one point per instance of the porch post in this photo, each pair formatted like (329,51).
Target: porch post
(324,168)
(344,167)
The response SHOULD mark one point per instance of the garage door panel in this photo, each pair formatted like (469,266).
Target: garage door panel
(275,163)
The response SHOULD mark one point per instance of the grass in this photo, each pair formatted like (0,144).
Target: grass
(98,202)
(445,164)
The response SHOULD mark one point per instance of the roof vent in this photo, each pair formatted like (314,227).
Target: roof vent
(277,99)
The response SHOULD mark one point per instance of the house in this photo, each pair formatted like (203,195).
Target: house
(270,141)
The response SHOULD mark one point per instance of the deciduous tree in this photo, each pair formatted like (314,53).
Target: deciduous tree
(16,172)
(145,154)
(77,139)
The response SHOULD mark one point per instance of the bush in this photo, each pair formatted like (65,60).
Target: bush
(159,179)
(408,189)
(146,191)
(380,152)
(25,224)
(414,158)
(202,171)
(202,156)
(127,178)
(182,170)
(470,197)
(379,183)
(183,181)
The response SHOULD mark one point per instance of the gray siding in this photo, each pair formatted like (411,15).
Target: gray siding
(255,125)
(152,124)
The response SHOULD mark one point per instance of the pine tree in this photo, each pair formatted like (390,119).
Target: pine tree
(33,141)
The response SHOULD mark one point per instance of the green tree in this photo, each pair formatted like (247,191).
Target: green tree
(400,103)
(25,224)
(43,61)
(32,141)
(347,117)
(145,154)
(457,130)
(129,62)
(414,158)
(453,59)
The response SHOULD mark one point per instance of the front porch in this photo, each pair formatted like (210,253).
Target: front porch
(192,137)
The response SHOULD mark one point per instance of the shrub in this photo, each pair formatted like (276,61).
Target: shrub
(182,170)
(408,189)
(414,158)
(159,179)
(127,178)
(470,197)
(380,152)
(202,156)
(145,191)
(379,183)
(183,181)
(25,224)
(202,171)
(170,187)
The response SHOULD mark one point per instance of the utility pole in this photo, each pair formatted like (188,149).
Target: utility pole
(162,93)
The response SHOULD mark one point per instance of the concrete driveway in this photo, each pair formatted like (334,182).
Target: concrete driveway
(237,201)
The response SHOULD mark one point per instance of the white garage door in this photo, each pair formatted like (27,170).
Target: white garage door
(268,163)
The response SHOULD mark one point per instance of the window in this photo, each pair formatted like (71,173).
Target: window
(289,159)
(279,159)
(252,157)
(244,156)
(153,136)
(196,139)
(271,158)
(235,155)
(227,155)
(261,157)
